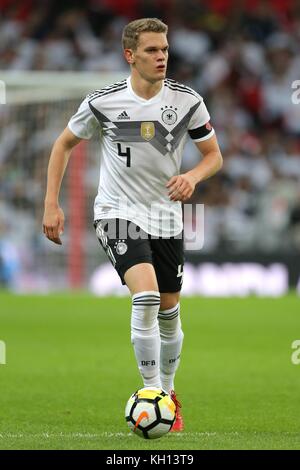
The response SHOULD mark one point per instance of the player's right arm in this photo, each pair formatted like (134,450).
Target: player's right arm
(53,220)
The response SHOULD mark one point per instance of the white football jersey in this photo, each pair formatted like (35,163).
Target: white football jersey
(141,144)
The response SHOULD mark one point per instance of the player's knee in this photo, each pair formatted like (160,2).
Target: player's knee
(169,300)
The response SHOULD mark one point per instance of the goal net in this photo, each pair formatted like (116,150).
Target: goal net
(34,109)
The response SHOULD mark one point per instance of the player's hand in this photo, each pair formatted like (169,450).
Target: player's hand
(181,187)
(53,223)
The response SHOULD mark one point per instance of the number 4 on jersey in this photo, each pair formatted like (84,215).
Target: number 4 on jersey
(180,273)
(126,154)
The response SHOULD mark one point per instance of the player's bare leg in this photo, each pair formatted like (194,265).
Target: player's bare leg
(169,300)
(141,277)
(142,283)
(171,344)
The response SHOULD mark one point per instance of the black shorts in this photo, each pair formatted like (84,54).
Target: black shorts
(126,245)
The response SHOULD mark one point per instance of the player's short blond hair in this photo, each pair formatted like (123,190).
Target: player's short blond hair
(132,31)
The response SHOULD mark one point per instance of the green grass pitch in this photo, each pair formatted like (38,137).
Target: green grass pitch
(71,368)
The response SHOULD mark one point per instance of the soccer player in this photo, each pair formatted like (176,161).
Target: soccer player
(142,123)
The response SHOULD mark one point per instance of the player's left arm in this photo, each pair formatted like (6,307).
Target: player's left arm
(181,187)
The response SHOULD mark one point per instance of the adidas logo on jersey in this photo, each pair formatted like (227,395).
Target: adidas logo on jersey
(123,115)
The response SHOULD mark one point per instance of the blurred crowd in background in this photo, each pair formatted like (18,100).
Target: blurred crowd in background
(243,57)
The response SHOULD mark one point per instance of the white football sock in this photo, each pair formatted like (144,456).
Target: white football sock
(171,344)
(145,335)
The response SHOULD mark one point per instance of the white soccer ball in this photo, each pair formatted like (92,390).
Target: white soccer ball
(150,413)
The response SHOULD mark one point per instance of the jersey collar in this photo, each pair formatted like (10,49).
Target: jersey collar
(156,98)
